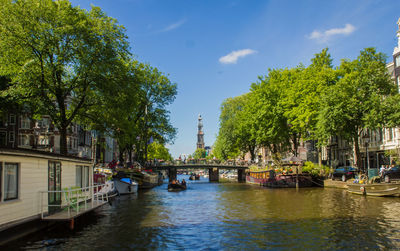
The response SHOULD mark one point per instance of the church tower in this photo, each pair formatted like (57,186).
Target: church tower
(200,134)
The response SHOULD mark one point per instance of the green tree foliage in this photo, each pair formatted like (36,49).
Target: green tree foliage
(271,126)
(159,152)
(233,137)
(59,56)
(311,103)
(355,103)
(200,153)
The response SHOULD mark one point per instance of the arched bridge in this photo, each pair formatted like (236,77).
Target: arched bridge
(213,169)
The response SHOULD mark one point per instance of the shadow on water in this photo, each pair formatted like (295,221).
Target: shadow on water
(232,216)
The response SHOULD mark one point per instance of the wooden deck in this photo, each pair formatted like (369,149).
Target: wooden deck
(65,216)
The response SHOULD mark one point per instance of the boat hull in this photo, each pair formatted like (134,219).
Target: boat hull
(379,189)
(253,180)
(289,181)
(176,187)
(125,187)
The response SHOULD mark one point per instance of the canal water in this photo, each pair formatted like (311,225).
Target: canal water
(231,216)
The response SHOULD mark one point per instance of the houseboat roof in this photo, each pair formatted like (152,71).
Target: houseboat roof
(42,154)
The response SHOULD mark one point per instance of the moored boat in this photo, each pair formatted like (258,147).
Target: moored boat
(375,189)
(107,190)
(125,185)
(289,181)
(257,177)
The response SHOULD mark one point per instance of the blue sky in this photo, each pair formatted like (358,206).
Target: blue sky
(215,49)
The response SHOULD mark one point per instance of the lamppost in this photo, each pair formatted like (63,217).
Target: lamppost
(366,143)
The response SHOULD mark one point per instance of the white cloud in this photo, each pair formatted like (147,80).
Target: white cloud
(174,25)
(325,35)
(232,57)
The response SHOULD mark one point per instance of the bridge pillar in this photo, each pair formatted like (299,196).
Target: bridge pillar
(213,174)
(241,175)
(172,174)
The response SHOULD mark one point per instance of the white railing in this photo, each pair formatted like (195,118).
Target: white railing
(73,200)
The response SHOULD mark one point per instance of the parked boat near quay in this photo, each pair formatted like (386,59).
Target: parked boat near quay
(376,189)
(125,186)
(269,178)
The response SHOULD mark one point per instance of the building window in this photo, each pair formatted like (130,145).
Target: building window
(25,122)
(390,136)
(1,184)
(24,140)
(397,60)
(12,119)
(398,82)
(11,172)
(3,138)
(11,136)
(82,176)
(3,121)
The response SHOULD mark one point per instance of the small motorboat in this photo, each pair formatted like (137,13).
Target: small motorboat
(194,176)
(176,187)
(125,185)
(107,190)
(376,189)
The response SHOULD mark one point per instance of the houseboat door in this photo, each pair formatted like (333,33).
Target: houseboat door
(54,185)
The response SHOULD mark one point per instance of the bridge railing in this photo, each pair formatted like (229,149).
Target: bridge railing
(202,162)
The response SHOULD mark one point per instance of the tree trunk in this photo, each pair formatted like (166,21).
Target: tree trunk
(357,153)
(252,154)
(63,140)
(320,156)
(130,154)
(121,155)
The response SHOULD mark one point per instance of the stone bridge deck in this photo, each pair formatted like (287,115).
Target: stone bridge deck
(213,170)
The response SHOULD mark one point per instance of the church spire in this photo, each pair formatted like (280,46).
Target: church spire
(200,134)
(397,49)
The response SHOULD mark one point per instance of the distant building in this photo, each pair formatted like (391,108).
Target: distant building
(200,134)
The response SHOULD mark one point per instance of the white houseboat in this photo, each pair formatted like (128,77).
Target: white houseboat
(41,186)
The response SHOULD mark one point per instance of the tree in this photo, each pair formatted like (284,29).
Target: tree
(302,98)
(356,102)
(231,137)
(59,56)
(200,153)
(158,151)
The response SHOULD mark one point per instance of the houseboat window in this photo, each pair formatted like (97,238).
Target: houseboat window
(82,176)
(78,176)
(10,181)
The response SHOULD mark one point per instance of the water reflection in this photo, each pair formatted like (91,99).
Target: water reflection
(232,216)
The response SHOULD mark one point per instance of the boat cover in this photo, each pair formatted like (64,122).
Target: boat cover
(127,180)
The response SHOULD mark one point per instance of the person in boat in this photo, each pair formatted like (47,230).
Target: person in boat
(173,182)
(382,170)
(183,182)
